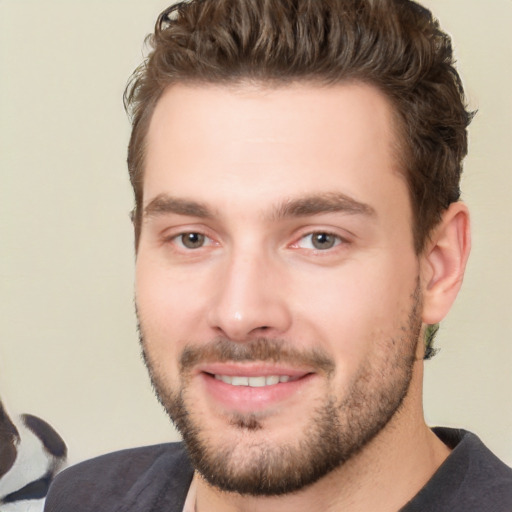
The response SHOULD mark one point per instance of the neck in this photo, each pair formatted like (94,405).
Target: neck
(384,476)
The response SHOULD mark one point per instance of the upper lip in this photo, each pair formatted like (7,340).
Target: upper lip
(252,369)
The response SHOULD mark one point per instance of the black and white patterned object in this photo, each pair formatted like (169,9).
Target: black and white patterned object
(31,453)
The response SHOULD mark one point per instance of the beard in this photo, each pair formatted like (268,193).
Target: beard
(336,430)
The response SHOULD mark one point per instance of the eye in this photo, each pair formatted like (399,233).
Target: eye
(319,241)
(192,240)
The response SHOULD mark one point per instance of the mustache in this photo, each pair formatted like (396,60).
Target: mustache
(223,350)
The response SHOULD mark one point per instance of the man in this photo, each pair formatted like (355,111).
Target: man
(299,235)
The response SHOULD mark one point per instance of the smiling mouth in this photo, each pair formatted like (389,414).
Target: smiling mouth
(255,382)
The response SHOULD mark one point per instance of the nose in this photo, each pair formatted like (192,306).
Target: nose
(250,299)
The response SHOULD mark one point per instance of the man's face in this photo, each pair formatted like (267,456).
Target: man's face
(277,285)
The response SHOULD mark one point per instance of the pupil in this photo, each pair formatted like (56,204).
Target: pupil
(193,240)
(323,241)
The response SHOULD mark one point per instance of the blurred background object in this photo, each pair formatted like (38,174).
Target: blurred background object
(31,454)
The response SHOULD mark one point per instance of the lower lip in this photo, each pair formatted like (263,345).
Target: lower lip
(246,399)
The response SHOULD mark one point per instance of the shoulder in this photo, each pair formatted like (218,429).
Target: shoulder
(471,479)
(107,482)
(483,471)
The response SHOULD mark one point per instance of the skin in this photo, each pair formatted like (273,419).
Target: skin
(224,163)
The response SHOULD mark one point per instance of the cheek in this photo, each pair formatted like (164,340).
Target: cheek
(353,308)
(163,308)
(165,297)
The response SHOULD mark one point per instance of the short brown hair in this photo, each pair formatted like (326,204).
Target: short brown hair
(395,45)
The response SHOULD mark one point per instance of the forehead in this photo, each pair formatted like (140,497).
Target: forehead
(258,143)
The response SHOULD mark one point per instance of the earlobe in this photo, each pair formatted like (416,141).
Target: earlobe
(444,262)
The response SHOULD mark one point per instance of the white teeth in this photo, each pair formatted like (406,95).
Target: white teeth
(257,382)
(253,382)
(239,381)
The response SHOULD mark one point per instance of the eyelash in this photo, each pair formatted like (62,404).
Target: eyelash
(338,240)
(178,240)
(206,241)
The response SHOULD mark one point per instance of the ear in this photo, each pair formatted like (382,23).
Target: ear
(444,262)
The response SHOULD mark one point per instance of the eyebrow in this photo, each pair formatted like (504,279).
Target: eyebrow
(164,204)
(315,204)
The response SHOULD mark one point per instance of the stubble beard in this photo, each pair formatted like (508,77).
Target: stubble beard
(335,432)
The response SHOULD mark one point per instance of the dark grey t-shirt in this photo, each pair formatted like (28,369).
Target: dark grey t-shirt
(157,478)
(471,479)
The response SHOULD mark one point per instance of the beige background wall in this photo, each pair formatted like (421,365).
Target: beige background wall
(68,348)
